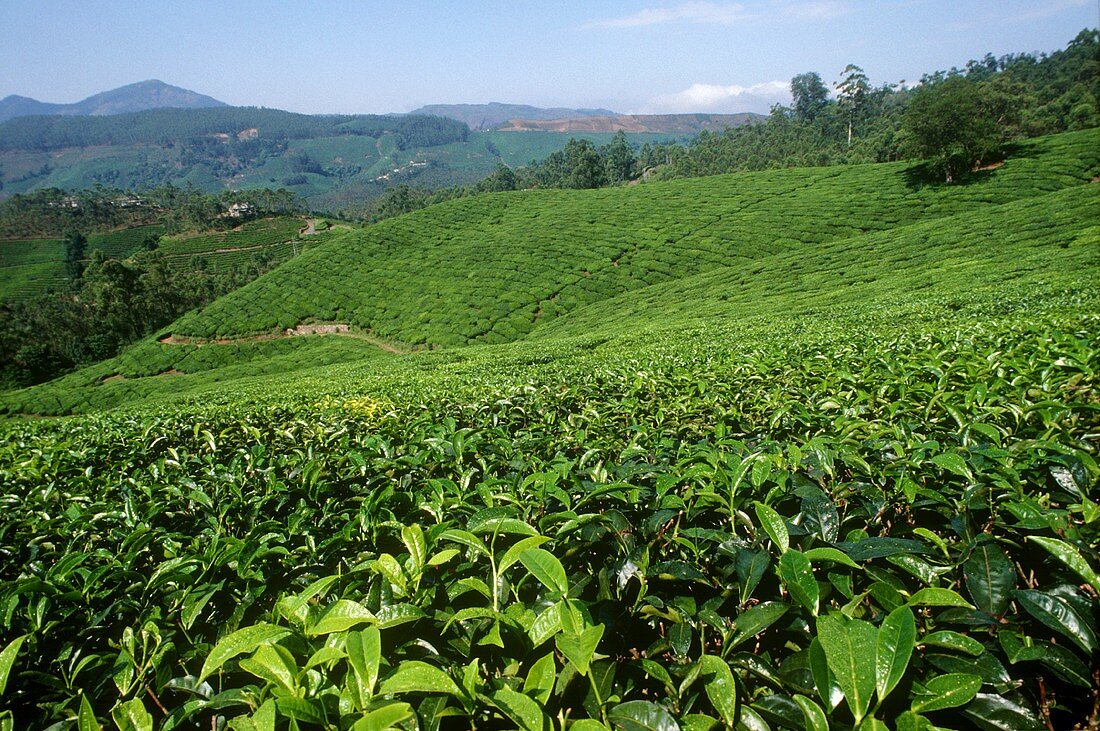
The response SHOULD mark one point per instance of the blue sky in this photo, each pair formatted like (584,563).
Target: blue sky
(631,56)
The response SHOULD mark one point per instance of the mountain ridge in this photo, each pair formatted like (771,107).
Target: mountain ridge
(136,97)
(489,116)
(640,123)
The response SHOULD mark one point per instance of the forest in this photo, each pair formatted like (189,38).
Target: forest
(184,126)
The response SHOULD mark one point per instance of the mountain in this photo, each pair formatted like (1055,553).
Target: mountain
(640,123)
(143,95)
(493,114)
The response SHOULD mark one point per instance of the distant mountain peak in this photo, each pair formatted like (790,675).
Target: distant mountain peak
(136,97)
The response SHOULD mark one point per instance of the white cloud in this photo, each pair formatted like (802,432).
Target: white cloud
(705,13)
(713,13)
(723,99)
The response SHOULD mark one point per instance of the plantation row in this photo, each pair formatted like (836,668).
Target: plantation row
(1040,246)
(492,268)
(31,267)
(878,522)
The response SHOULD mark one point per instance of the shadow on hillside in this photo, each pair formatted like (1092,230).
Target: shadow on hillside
(923,174)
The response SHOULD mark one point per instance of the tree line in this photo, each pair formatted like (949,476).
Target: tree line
(109,304)
(167,127)
(954,120)
(52,212)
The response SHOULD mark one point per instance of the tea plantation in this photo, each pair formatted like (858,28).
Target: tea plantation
(31,267)
(805,449)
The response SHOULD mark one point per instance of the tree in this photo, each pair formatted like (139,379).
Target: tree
(503,178)
(810,95)
(951,124)
(852,92)
(75,246)
(619,159)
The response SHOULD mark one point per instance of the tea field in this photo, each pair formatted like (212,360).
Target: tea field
(30,267)
(801,450)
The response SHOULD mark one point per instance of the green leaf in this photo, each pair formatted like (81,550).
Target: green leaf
(132,716)
(387,566)
(819,516)
(990,578)
(85,719)
(953,641)
(641,716)
(244,640)
(721,687)
(910,721)
(849,646)
(467,539)
(540,678)
(580,648)
(341,615)
(679,638)
(947,691)
(824,680)
(273,664)
(7,659)
(523,711)
(545,567)
(825,553)
(263,719)
(512,554)
(1071,557)
(773,525)
(413,676)
(393,615)
(364,650)
(936,597)
(413,538)
(1060,616)
(587,724)
(442,557)
(893,647)
(997,713)
(499,525)
(308,710)
(798,577)
(386,717)
(815,717)
(952,463)
(754,621)
(1064,664)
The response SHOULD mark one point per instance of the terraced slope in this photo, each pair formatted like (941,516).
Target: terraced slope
(986,259)
(29,267)
(494,268)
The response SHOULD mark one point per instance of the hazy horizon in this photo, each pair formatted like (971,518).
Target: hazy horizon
(631,57)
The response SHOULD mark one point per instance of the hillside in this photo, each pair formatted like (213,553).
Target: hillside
(809,448)
(680,124)
(426,278)
(540,265)
(489,116)
(143,95)
(333,162)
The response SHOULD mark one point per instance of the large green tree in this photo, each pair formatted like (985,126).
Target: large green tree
(952,124)
(810,96)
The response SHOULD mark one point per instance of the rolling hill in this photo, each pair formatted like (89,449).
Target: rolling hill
(533,266)
(680,124)
(490,116)
(680,455)
(331,161)
(143,95)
